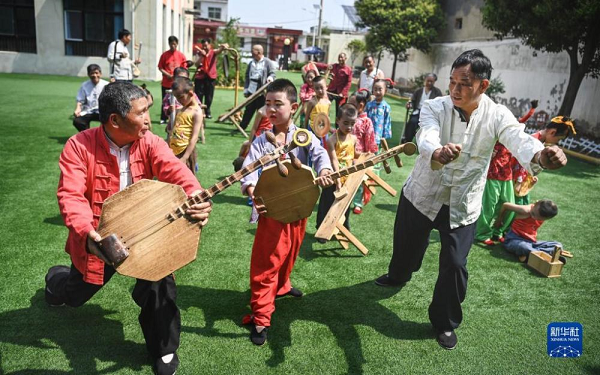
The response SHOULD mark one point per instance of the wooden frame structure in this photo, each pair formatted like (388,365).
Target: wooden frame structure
(232,114)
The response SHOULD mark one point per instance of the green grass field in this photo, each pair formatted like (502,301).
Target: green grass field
(343,324)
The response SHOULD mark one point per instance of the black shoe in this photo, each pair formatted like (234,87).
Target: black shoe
(293,292)
(162,368)
(321,240)
(258,338)
(385,280)
(208,116)
(445,341)
(52,299)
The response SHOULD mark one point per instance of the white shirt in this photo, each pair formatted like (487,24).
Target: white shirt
(120,67)
(366,80)
(424,96)
(460,183)
(88,96)
(122,155)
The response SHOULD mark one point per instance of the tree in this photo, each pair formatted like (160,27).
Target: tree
(398,25)
(356,47)
(553,26)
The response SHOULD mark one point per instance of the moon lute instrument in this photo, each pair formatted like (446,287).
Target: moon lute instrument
(145,231)
(293,197)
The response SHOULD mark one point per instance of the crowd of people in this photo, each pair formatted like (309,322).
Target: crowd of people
(471,149)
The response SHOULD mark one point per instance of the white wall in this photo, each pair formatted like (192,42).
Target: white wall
(50,37)
(213,4)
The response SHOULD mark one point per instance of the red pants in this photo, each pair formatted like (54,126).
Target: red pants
(276,246)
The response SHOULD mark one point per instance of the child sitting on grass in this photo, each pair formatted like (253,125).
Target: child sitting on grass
(341,149)
(521,239)
(188,123)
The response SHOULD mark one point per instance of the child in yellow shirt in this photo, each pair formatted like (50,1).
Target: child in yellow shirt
(188,123)
(341,149)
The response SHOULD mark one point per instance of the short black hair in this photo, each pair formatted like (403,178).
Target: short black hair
(182,83)
(318,79)
(123,32)
(347,109)
(362,96)
(207,40)
(116,98)
(93,67)
(179,70)
(548,209)
(286,86)
(172,39)
(481,66)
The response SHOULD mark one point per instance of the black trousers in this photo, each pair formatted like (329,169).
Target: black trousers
(163,115)
(250,109)
(411,238)
(410,128)
(82,123)
(338,100)
(325,201)
(159,318)
(205,90)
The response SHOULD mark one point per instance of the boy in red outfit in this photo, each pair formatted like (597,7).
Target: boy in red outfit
(276,245)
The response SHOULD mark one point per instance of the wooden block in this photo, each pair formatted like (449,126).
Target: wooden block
(542,263)
(342,240)
(384,185)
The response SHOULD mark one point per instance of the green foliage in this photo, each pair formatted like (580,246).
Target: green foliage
(295,66)
(229,35)
(344,324)
(356,47)
(496,87)
(553,26)
(399,25)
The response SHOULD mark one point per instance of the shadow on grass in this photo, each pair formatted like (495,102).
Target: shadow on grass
(55,220)
(84,335)
(341,310)
(333,249)
(61,140)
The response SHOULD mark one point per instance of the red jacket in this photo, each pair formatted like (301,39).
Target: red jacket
(90,174)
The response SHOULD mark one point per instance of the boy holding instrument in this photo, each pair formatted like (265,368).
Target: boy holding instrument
(276,244)
(341,147)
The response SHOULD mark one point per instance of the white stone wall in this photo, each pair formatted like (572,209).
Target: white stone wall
(143,18)
(527,75)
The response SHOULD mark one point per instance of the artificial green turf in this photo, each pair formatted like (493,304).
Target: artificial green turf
(343,324)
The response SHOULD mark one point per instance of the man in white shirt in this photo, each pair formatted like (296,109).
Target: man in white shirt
(444,191)
(260,71)
(429,91)
(370,74)
(121,65)
(86,109)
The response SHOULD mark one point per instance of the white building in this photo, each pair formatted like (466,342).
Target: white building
(64,36)
(215,10)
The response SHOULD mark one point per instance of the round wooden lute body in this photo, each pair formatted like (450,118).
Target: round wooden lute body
(157,244)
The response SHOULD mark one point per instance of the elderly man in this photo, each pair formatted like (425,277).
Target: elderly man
(96,164)
(444,190)
(341,82)
(429,91)
(260,71)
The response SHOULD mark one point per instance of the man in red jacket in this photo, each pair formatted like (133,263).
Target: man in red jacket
(96,164)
